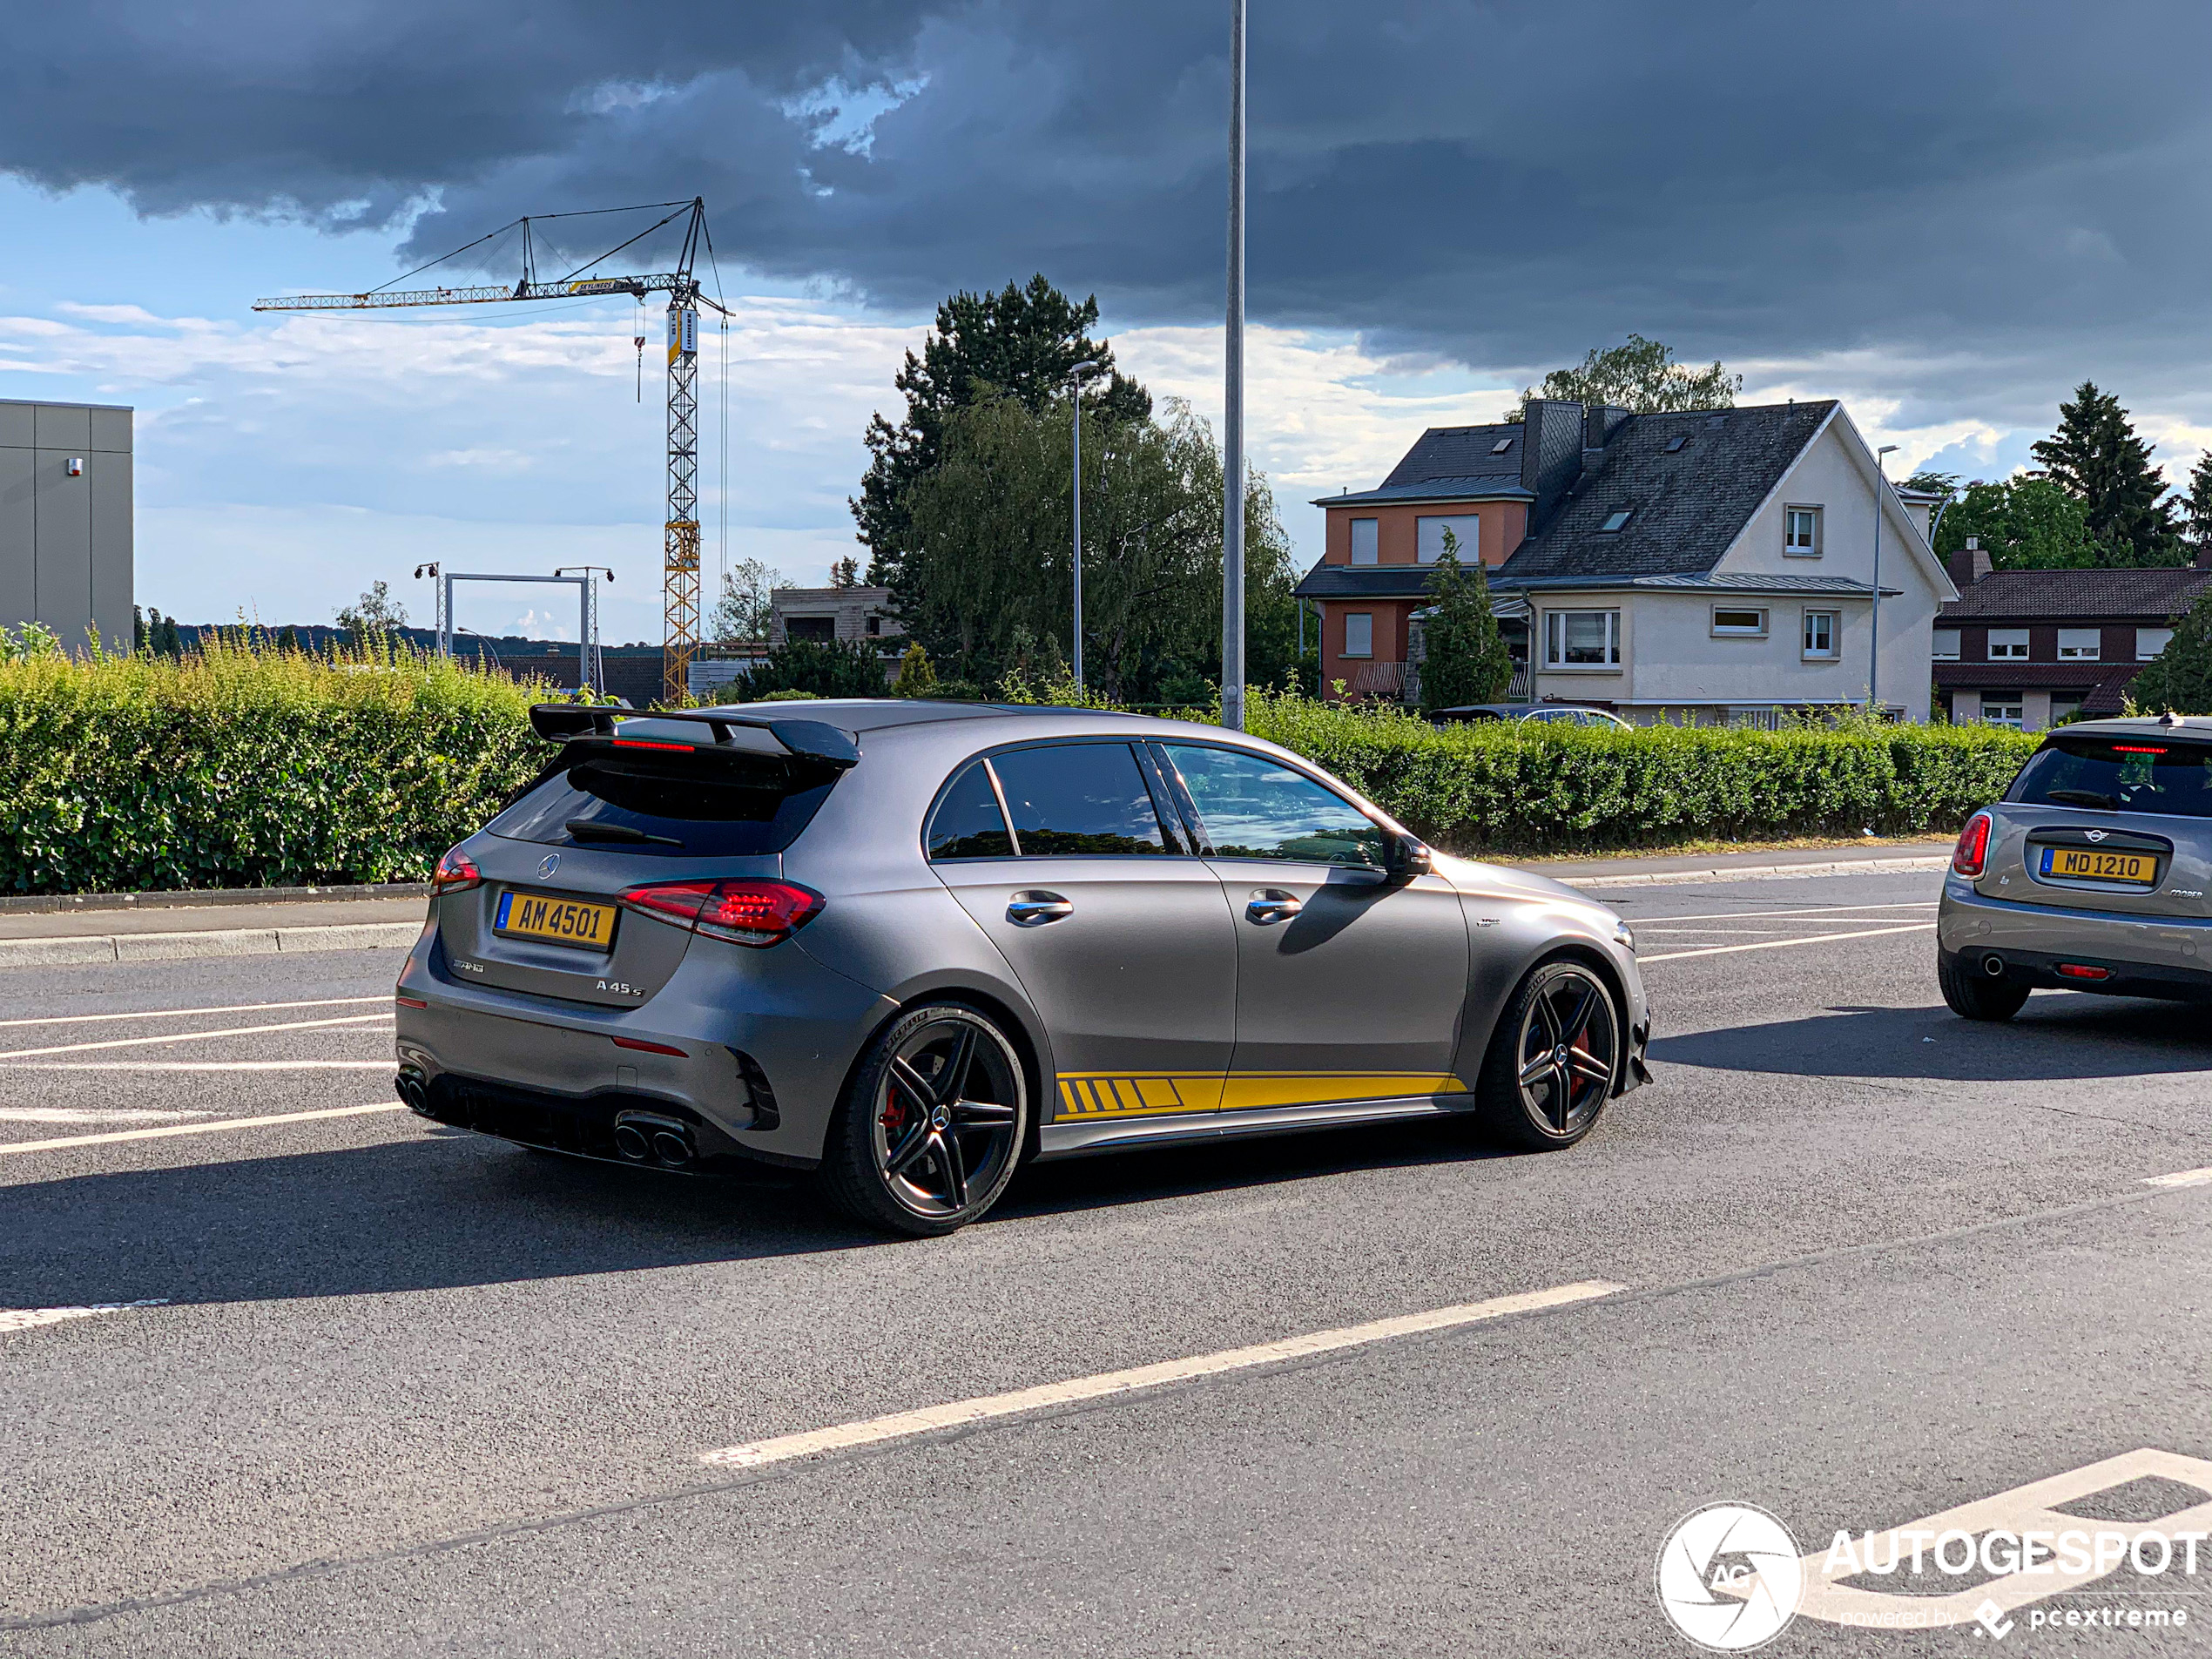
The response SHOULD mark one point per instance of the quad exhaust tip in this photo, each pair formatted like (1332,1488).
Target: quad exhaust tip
(648,1137)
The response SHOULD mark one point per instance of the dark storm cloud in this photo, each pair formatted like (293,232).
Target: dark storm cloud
(2004,196)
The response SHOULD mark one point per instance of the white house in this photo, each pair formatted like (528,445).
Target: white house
(1703,565)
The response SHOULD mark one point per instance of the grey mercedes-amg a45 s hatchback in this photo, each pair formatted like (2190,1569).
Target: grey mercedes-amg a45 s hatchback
(2092,874)
(909,945)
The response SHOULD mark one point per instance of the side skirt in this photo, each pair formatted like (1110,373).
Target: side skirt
(1065,1140)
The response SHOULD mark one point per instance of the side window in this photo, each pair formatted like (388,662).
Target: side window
(968,823)
(1078,797)
(1253,808)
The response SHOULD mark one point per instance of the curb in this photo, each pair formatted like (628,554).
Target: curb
(42,904)
(218,941)
(1762,872)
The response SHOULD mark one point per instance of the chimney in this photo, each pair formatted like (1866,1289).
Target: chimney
(1969,564)
(1600,422)
(1551,455)
(2204,560)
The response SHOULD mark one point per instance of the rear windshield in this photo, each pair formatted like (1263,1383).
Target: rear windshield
(2120,774)
(674,813)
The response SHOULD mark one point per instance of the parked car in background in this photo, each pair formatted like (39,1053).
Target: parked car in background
(2092,874)
(1546,713)
(907,945)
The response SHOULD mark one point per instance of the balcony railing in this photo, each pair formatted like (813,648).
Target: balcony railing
(1375,680)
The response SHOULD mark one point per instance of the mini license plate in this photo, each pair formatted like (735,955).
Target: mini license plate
(557,921)
(2086,864)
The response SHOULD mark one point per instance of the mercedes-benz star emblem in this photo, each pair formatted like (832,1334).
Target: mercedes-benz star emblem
(547,865)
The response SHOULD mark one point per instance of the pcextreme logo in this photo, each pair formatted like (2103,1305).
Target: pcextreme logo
(1731,1577)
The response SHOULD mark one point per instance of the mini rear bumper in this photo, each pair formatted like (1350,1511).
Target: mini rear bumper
(2153,956)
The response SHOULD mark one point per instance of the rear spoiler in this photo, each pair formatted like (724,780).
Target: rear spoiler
(808,739)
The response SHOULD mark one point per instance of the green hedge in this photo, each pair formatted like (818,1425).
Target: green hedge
(245,767)
(1528,788)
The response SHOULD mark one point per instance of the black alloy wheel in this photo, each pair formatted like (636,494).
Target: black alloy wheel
(930,1133)
(1552,1065)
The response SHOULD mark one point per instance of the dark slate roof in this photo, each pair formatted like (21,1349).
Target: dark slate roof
(1687,507)
(1467,487)
(1326,581)
(1449,463)
(2103,685)
(2145,595)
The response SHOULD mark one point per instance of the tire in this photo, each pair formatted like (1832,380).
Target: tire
(1973,997)
(929,1130)
(1554,1059)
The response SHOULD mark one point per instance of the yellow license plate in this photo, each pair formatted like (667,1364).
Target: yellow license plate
(2083,863)
(558,921)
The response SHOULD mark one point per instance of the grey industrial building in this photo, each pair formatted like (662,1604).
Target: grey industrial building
(65,519)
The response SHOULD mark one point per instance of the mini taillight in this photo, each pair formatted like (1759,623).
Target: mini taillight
(756,913)
(1972,851)
(457,872)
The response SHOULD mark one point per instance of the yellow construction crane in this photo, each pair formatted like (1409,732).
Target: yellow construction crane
(680,560)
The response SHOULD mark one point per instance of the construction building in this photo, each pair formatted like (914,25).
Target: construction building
(65,521)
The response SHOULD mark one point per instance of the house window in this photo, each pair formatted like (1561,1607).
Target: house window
(1366,540)
(2151,641)
(1751,623)
(2008,645)
(2001,708)
(1820,636)
(1615,521)
(2080,645)
(1359,632)
(810,627)
(1581,639)
(1946,645)
(1502,446)
(1428,537)
(1800,532)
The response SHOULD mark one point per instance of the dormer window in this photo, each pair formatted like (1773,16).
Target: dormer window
(1502,446)
(1615,521)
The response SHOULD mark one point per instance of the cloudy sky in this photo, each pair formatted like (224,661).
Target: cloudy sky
(1947,214)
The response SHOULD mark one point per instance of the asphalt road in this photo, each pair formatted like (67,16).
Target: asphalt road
(399,1389)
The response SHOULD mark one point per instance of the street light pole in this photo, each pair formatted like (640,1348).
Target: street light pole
(1076,377)
(1233,453)
(1881,490)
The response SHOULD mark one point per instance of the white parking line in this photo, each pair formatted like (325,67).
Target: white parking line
(1784,944)
(86,1114)
(901,1424)
(193,1036)
(2181,1178)
(9,1149)
(179,1014)
(27,1319)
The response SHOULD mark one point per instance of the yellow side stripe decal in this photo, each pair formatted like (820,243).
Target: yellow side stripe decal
(1090,1094)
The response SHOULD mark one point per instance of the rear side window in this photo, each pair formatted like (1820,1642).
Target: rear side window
(2119,774)
(968,823)
(1079,797)
(1255,808)
(679,811)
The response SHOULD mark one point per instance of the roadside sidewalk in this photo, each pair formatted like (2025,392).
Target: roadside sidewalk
(1674,870)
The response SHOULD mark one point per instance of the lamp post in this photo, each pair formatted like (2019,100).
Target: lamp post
(1233,425)
(1881,492)
(1076,376)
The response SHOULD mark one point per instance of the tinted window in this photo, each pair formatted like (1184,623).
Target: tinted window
(968,823)
(1255,809)
(675,812)
(2119,775)
(1079,797)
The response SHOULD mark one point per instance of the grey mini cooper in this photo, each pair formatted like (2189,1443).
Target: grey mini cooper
(908,945)
(2090,875)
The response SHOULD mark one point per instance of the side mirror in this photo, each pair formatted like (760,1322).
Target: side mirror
(1404,858)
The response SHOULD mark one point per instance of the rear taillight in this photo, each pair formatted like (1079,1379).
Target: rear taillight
(457,872)
(744,912)
(1972,851)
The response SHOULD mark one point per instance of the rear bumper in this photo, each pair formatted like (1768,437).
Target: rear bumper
(2166,958)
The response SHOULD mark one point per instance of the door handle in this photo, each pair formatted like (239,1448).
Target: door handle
(1035,908)
(1270,905)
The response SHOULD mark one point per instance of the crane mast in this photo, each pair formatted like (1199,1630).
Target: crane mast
(680,533)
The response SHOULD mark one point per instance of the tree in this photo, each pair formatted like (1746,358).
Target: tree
(742,611)
(2180,678)
(1464,660)
(375,614)
(824,667)
(917,674)
(2196,509)
(1641,376)
(2025,523)
(1020,343)
(2096,458)
(846,573)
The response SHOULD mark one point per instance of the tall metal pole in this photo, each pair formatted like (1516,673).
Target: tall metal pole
(1076,398)
(1874,667)
(1232,433)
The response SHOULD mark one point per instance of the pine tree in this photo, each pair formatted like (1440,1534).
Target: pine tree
(917,674)
(2196,509)
(137,630)
(2181,678)
(2096,457)
(1465,659)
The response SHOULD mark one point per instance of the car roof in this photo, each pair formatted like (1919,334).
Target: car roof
(877,713)
(2140,725)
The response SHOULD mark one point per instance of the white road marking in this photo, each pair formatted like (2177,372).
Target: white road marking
(74,1115)
(1836,913)
(193,1036)
(198,1065)
(900,1425)
(179,1014)
(2181,1178)
(27,1319)
(10,1149)
(1781,944)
